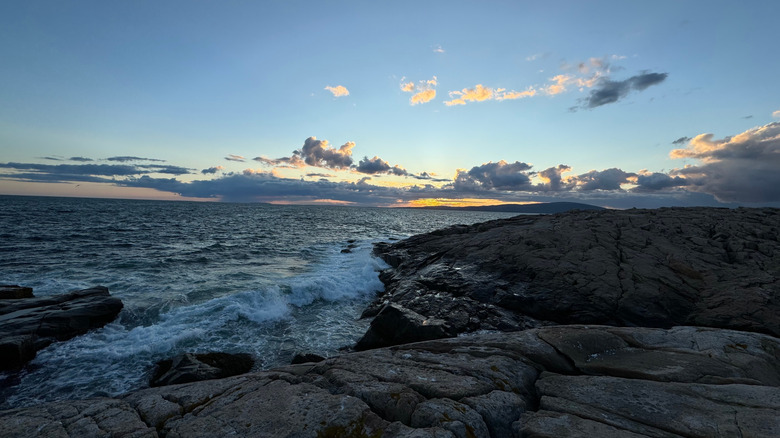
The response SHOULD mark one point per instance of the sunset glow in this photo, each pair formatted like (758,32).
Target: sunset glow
(587,103)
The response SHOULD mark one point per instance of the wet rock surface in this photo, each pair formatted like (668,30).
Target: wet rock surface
(651,268)
(555,381)
(30,324)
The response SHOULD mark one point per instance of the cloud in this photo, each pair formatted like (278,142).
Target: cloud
(82,159)
(85,172)
(293,161)
(741,168)
(608,91)
(582,75)
(338,90)
(553,181)
(51,158)
(651,182)
(500,176)
(156,168)
(319,153)
(425,176)
(238,158)
(376,165)
(212,170)
(608,179)
(481,93)
(776,114)
(125,159)
(438,49)
(423,91)
(254,186)
(682,140)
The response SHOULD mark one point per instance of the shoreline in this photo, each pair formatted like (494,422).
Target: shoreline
(550,283)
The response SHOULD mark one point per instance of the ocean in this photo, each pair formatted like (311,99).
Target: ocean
(268,280)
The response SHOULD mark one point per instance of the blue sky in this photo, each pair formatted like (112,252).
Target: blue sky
(619,104)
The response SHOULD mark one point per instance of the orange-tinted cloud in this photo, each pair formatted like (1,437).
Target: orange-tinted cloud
(424,91)
(482,93)
(338,90)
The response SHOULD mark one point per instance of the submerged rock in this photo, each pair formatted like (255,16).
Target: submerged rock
(656,268)
(564,381)
(30,324)
(194,367)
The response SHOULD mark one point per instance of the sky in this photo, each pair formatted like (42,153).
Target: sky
(613,103)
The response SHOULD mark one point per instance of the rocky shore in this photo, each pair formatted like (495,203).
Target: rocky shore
(650,268)
(638,323)
(28,324)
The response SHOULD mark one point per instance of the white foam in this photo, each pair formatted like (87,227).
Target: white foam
(117,359)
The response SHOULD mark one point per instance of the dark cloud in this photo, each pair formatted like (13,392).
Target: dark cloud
(125,159)
(499,176)
(555,182)
(82,159)
(608,179)
(319,153)
(71,172)
(742,168)
(376,165)
(748,117)
(682,140)
(51,158)
(293,161)
(211,170)
(54,178)
(425,176)
(170,170)
(320,175)
(650,182)
(608,91)
(263,187)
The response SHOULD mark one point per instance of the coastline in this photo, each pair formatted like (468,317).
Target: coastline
(558,288)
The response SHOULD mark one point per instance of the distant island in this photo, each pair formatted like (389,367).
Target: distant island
(540,208)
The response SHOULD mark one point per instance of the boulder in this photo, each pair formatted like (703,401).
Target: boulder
(194,367)
(395,325)
(710,267)
(564,381)
(300,358)
(30,324)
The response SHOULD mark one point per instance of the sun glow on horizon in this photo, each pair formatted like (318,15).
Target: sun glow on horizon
(459,202)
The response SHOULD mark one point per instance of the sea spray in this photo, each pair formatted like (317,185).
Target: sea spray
(261,279)
(271,323)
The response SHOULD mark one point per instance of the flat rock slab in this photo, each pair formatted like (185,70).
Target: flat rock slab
(548,382)
(30,324)
(710,267)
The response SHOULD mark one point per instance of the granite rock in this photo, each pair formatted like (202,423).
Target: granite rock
(568,381)
(30,324)
(651,268)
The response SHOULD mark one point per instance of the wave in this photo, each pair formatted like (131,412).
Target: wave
(315,311)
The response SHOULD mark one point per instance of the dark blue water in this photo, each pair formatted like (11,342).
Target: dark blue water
(266,280)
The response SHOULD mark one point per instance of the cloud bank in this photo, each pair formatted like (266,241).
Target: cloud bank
(742,168)
(739,169)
